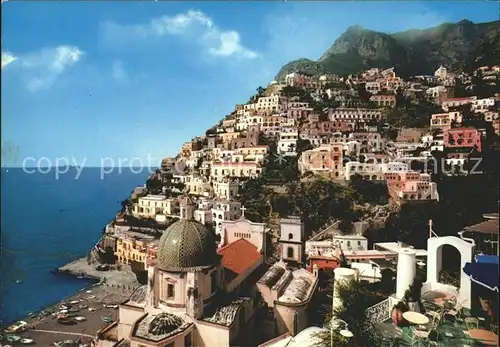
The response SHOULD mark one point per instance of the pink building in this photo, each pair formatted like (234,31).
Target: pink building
(326,159)
(411,185)
(151,257)
(462,138)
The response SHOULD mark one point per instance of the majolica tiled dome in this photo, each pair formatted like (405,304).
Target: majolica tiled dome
(186,244)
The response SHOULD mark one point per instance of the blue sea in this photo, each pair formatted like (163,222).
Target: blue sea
(48,222)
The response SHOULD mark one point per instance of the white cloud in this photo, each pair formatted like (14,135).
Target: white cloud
(118,71)
(193,26)
(42,68)
(7,58)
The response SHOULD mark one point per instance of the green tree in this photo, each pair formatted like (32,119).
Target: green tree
(355,298)
(154,185)
(302,146)
(363,94)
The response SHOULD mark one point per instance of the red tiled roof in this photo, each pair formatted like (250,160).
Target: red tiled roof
(239,255)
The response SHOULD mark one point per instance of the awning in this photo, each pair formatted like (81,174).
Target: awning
(485,274)
(485,258)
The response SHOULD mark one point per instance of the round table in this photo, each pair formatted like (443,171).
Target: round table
(415,318)
(486,337)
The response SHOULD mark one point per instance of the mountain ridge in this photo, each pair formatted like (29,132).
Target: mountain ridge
(460,45)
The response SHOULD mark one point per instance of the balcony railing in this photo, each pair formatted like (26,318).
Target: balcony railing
(380,312)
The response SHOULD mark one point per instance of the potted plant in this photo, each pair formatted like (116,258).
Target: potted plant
(412,296)
(397,313)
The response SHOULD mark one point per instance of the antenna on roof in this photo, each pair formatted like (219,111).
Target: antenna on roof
(431,231)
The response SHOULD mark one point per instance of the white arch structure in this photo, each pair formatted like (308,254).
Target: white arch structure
(434,264)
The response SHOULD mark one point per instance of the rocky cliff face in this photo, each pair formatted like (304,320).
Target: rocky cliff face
(412,52)
(377,215)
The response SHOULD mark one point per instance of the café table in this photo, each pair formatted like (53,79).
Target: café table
(486,337)
(415,318)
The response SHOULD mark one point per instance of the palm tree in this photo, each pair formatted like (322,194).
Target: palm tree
(355,298)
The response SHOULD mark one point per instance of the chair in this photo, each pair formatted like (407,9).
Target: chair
(456,313)
(429,306)
(410,339)
(435,318)
(420,334)
(433,338)
(471,323)
(450,303)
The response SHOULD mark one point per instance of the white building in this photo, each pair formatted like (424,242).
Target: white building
(292,240)
(151,205)
(483,105)
(226,189)
(225,210)
(287,143)
(271,104)
(203,215)
(441,73)
(372,87)
(368,171)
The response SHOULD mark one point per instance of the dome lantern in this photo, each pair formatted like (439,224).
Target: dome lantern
(187,207)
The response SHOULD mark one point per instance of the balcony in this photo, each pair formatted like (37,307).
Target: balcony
(454,326)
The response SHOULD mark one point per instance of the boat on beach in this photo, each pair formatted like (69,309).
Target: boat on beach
(107,319)
(66,321)
(13,338)
(19,326)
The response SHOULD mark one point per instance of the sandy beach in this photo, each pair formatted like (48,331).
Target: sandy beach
(97,303)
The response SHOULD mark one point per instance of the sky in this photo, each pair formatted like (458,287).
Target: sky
(102,82)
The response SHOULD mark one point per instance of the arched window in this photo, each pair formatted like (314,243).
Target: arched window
(289,252)
(290,236)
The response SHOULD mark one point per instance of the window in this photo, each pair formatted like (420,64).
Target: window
(290,236)
(170,291)
(359,243)
(289,252)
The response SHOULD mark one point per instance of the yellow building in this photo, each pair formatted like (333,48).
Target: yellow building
(131,249)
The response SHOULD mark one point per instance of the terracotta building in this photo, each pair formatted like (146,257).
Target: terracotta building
(463,138)
(326,159)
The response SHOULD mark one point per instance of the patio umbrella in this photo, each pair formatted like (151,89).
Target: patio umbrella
(485,274)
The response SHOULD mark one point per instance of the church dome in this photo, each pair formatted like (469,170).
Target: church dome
(186,245)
